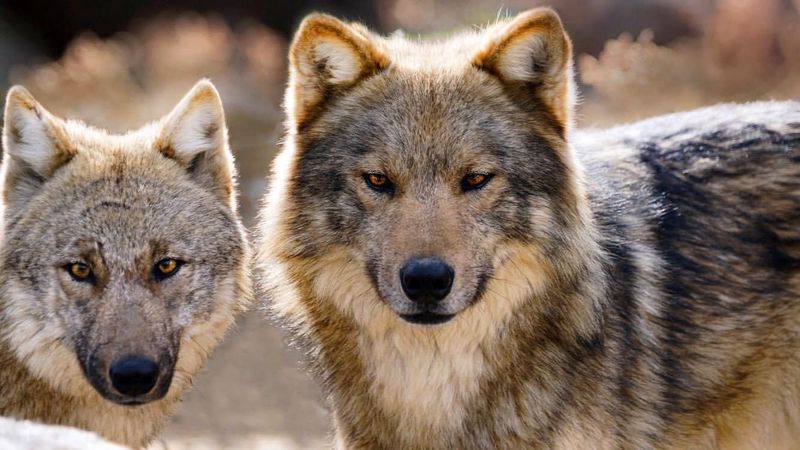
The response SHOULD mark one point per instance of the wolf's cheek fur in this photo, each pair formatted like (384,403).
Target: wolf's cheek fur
(40,338)
(199,337)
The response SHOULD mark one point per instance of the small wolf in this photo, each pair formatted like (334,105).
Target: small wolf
(123,263)
(467,272)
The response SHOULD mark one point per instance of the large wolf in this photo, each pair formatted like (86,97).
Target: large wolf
(123,263)
(467,272)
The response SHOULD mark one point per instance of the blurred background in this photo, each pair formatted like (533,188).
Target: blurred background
(120,64)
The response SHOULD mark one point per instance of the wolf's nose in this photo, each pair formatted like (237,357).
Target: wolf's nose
(133,376)
(426,280)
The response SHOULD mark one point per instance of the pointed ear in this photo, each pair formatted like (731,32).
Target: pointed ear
(328,56)
(35,144)
(534,53)
(194,135)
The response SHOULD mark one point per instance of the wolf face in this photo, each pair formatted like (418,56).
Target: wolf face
(426,167)
(123,258)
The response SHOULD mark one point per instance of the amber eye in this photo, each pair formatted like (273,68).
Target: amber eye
(166,268)
(80,271)
(378,182)
(473,181)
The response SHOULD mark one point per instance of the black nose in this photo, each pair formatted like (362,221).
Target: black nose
(133,376)
(426,280)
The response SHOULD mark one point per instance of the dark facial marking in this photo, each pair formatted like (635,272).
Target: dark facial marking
(427,318)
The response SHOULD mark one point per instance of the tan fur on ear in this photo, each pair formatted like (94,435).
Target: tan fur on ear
(32,136)
(194,134)
(195,125)
(328,55)
(35,145)
(533,49)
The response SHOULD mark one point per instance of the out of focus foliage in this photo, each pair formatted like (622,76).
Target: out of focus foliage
(748,50)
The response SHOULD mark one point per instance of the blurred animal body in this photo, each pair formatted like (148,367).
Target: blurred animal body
(123,263)
(466,271)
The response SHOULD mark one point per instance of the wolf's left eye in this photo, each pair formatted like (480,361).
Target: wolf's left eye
(472,181)
(166,268)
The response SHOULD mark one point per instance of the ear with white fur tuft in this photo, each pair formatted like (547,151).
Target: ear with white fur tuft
(194,135)
(327,56)
(533,53)
(35,145)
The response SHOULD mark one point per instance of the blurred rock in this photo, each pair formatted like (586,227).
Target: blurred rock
(26,435)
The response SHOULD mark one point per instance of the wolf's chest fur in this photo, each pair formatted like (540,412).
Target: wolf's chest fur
(427,378)
(414,375)
(423,383)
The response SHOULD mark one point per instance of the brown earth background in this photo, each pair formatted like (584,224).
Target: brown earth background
(118,65)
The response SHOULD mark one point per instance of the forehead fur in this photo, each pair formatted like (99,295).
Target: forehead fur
(416,117)
(105,165)
(127,168)
(454,52)
(101,143)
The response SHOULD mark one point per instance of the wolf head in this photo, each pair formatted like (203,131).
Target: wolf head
(430,164)
(123,258)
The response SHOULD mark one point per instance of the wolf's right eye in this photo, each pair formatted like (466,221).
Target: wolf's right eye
(379,182)
(166,268)
(79,271)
